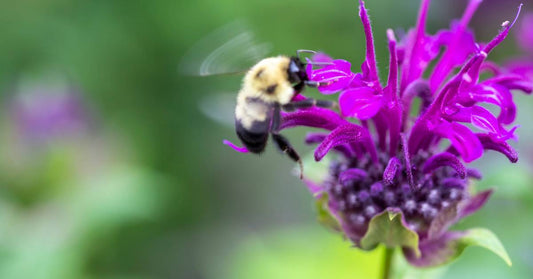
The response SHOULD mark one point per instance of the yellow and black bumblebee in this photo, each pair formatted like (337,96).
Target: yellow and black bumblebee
(267,89)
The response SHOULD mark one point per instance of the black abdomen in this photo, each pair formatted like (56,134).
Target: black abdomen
(255,139)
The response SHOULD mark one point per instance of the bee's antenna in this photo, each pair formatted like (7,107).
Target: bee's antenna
(300,51)
(320,63)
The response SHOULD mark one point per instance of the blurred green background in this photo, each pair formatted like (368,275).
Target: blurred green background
(109,169)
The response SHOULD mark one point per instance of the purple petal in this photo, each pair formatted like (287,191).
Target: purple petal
(454,183)
(391,170)
(501,146)
(460,45)
(464,141)
(440,224)
(352,174)
(498,95)
(360,102)
(370,71)
(376,189)
(435,252)
(474,173)
(503,33)
(419,50)
(474,204)
(346,134)
(392,83)
(314,188)
(444,160)
(407,158)
(338,75)
(315,117)
(235,147)
(312,138)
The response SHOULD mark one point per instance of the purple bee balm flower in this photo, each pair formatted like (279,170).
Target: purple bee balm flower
(41,114)
(407,172)
(398,175)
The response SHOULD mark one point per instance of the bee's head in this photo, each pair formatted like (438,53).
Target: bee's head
(296,71)
(270,79)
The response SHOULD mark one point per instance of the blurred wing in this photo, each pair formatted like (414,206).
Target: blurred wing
(229,49)
(219,108)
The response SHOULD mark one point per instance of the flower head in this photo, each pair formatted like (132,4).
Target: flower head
(398,173)
(412,167)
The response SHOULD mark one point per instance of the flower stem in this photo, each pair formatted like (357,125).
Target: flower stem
(387,263)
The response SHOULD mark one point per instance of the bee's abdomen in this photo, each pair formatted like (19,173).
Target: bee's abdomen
(254,139)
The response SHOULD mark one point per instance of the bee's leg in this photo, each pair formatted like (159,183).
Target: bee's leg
(307,103)
(276,119)
(285,146)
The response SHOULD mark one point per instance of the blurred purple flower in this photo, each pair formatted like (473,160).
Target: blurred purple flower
(397,162)
(44,113)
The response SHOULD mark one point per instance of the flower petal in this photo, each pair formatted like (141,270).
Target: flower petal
(360,102)
(315,117)
(444,159)
(345,135)
(464,141)
(501,146)
(339,76)
(391,170)
(235,147)
(474,204)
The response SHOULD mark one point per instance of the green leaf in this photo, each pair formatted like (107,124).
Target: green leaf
(450,246)
(388,228)
(483,238)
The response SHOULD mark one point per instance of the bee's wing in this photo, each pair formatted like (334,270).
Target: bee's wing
(229,49)
(219,108)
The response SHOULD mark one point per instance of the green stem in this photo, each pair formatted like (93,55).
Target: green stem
(387,263)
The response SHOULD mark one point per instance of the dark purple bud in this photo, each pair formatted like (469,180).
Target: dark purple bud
(428,211)
(389,197)
(357,219)
(434,197)
(353,201)
(371,210)
(364,196)
(341,205)
(409,206)
(455,194)
(376,189)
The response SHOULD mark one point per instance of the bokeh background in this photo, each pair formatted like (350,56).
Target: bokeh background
(110,169)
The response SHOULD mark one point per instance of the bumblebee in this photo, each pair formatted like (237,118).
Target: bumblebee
(267,89)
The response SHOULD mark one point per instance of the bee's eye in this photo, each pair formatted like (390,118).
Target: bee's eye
(271,89)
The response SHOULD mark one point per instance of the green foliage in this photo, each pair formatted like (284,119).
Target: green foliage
(482,238)
(388,228)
